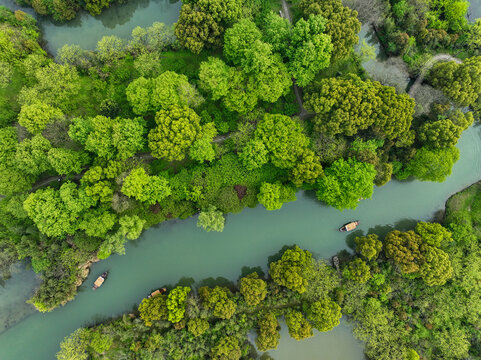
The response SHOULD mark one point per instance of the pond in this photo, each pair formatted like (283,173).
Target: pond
(178,250)
(86,30)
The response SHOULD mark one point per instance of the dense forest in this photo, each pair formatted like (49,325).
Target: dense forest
(410,294)
(202,118)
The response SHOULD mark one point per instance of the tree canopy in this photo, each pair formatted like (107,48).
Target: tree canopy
(291,270)
(345,183)
(460,82)
(310,49)
(177,129)
(348,105)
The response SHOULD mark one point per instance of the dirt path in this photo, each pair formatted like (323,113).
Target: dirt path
(429,64)
(286,14)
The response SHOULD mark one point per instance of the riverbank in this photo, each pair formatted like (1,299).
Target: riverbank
(369,298)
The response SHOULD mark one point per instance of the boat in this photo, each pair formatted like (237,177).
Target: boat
(349,226)
(157,292)
(100,280)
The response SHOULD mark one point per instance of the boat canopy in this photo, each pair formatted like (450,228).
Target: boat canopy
(100,280)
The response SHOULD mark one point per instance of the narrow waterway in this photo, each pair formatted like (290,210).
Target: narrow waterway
(178,250)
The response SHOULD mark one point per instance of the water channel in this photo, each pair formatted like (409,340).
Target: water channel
(178,250)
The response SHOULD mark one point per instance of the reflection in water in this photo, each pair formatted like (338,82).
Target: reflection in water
(86,30)
(120,15)
(474,10)
(388,71)
(13,294)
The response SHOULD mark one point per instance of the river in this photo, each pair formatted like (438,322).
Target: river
(178,250)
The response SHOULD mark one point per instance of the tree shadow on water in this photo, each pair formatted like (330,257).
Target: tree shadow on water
(351,236)
(218,281)
(246,270)
(277,256)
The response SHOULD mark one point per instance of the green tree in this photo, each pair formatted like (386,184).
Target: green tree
(100,191)
(131,226)
(36,116)
(357,270)
(433,234)
(272,196)
(211,219)
(226,349)
(345,182)
(56,85)
(138,94)
(218,300)
(412,355)
(342,24)
(307,170)
(433,165)
(299,328)
(100,342)
(324,314)
(197,326)
(367,52)
(348,105)
(109,138)
(128,137)
(310,49)
(283,138)
(66,161)
(162,92)
(268,334)
(253,289)
(31,155)
(145,188)
(460,82)
(55,212)
(440,134)
(110,48)
(240,38)
(74,346)
(176,131)
(404,248)
(277,32)
(214,75)
(435,268)
(95,7)
(368,246)
(154,308)
(292,269)
(254,155)
(202,149)
(176,303)
(97,222)
(201,24)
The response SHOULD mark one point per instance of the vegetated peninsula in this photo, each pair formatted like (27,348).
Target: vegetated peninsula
(233,107)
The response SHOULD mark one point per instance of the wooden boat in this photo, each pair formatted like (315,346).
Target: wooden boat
(100,280)
(157,292)
(349,226)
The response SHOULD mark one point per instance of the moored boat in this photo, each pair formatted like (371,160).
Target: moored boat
(157,292)
(100,280)
(349,226)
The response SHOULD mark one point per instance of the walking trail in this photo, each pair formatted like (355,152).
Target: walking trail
(429,64)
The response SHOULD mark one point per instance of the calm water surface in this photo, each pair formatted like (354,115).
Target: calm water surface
(86,30)
(178,250)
